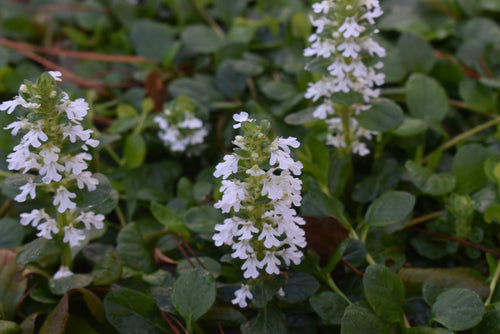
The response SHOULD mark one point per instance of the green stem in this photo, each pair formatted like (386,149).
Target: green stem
(4,173)
(335,288)
(424,218)
(462,136)
(144,114)
(354,235)
(493,284)
(5,206)
(121,216)
(346,129)
(203,13)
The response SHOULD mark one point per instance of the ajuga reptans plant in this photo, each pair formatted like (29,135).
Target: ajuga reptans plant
(259,189)
(52,158)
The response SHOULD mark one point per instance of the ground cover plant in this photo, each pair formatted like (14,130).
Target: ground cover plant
(238,166)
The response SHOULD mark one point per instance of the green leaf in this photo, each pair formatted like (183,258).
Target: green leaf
(490,323)
(277,91)
(264,290)
(299,287)
(423,330)
(133,250)
(134,151)
(169,218)
(201,39)
(416,54)
(211,265)
(200,88)
(270,320)
(391,208)
(203,219)
(229,80)
(415,278)
(358,318)
(458,309)
(429,247)
(57,321)
(9,327)
(428,182)
(468,168)
(385,292)
(193,294)
(62,285)
(426,98)
(248,67)
(478,97)
(410,127)
(300,117)
(151,39)
(491,213)
(102,200)
(329,306)
(11,287)
(228,10)
(38,249)
(108,269)
(384,115)
(11,233)
(133,312)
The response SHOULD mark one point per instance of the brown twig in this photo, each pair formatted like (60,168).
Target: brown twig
(467,70)
(179,246)
(353,268)
(169,322)
(460,241)
(190,250)
(20,46)
(67,73)
(439,6)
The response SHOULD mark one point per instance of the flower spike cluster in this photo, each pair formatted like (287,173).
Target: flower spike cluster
(52,156)
(179,125)
(259,190)
(343,39)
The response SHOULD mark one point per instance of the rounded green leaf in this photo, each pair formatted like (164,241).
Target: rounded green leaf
(384,115)
(151,39)
(133,249)
(358,318)
(426,98)
(169,218)
(11,233)
(9,327)
(133,312)
(458,309)
(193,294)
(135,150)
(384,291)
(468,168)
(229,80)
(201,39)
(410,127)
(299,287)
(478,97)
(490,323)
(38,249)
(416,53)
(428,182)
(269,320)
(329,306)
(390,208)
